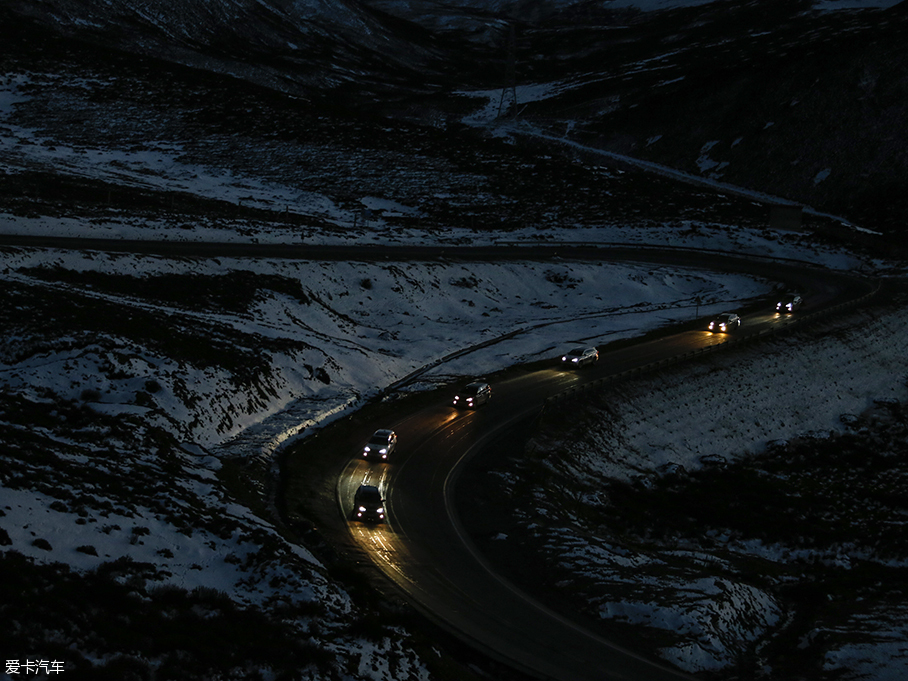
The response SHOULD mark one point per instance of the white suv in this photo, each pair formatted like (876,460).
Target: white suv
(381,445)
(473,395)
(579,357)
(725,322)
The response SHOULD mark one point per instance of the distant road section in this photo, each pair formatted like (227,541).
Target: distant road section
(684,257)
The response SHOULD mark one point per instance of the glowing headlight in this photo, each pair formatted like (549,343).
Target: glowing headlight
(564,359)
(711,325)
(362,509)
(576,359)
(383,450)
(380,511)
(788,306)
(722,327)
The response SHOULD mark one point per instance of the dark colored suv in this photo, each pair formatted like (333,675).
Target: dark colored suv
(368,504)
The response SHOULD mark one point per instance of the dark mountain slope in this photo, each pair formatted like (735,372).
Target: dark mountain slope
(771,96)
(304,47)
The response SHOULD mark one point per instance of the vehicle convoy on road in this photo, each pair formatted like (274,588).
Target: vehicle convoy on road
(788,303)
(368,504)
(426,550)
(579,357)
(473,395)
(725,322)
(381,445)
(429,557)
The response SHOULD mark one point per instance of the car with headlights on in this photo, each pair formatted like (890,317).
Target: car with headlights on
(473,395)
(579,357)
(788,303)
(381,445)
(725,323)
(368,505)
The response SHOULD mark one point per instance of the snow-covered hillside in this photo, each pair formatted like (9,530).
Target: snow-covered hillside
(711,89)
(325,334)
(119,440)
(144,397)
(757,470)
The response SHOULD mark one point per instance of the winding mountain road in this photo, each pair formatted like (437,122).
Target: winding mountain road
(422,549)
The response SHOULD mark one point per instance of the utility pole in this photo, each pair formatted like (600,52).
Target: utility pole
(509,91)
